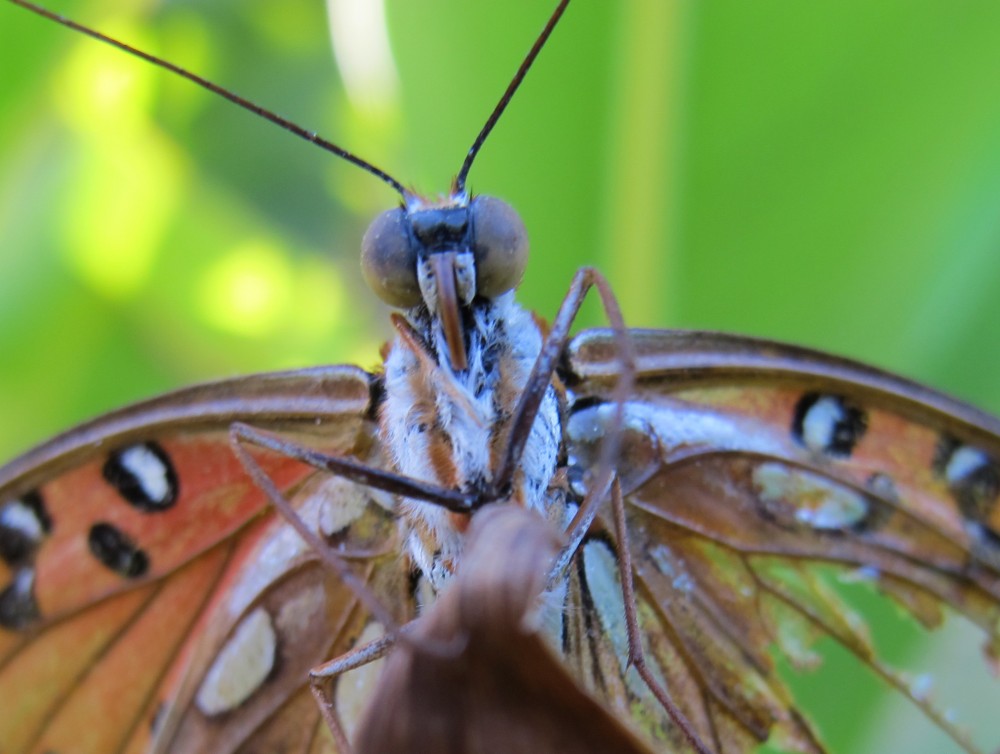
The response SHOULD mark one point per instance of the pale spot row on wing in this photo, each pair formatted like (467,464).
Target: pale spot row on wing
(241,666)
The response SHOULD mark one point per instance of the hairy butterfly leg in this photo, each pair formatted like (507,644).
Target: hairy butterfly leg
(544,370)
(603,474)
(321,675)
(237,434)
(354,471)
(321,679)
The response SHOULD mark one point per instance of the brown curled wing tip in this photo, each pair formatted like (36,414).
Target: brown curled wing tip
(447,302)
(506,690)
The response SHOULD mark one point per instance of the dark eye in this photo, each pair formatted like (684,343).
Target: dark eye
(389,262)
(500,246)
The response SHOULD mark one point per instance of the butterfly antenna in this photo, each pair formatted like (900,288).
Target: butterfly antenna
(459,184)
(310,136)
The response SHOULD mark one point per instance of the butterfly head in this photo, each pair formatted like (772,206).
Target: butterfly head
(445,256)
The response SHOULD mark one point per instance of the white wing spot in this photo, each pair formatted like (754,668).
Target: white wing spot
(148,471)
(601,570)
(963,463)
(820,423)
(683,583)
(355,687)
(241,667)
(16,516)
(811,499)
(24,582)
(669,565)
(341,503)
(663,557)
(860,575)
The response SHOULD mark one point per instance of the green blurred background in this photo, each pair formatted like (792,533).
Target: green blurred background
(824,173)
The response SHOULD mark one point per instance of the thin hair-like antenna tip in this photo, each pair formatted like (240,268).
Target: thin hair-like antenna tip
(458,185)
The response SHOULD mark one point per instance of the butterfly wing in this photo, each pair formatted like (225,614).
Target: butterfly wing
(151,601)
(756,474)
(132,620)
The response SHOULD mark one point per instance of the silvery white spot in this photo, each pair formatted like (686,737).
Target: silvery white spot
(667,426)
(963,462)
(590,425)
(679,424)
(18,608)
(341,502)
(148,470)
(815,500)
(819,425)
(24,582)
(667,564)
(586,430)
(663,556)
(883,486)
(587,426)
(861,574)
(355,687)
(683,583)
(18,517)
(600,568)
(241,667)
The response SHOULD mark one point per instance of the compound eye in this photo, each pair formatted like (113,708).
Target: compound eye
(499,244)
(389,262)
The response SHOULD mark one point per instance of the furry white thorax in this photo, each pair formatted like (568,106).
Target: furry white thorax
(430,411)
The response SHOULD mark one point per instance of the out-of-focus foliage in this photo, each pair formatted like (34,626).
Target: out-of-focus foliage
(826,173)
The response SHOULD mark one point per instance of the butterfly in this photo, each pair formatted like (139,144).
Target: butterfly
(720,345)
